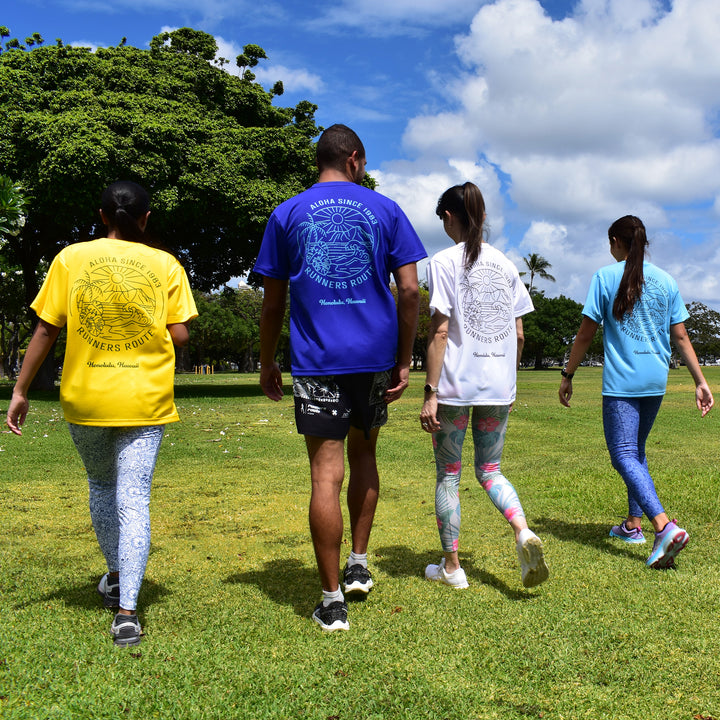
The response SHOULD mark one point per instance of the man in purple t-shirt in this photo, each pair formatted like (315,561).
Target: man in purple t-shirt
(336,246)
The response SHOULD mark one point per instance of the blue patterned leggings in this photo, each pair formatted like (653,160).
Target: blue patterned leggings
(627,423)
(489,424)
(120,462)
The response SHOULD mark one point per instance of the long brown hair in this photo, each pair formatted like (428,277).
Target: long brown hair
(466,203)
(630,232)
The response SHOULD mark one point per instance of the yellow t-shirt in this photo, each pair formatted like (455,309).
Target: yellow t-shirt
(117,299)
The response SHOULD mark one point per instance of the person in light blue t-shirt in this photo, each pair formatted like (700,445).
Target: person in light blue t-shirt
(641,311)
(336,246)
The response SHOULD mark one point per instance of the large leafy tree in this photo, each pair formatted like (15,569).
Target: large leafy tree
(703,327)
(550,329)
(212,149)
(227,330)
(14,319)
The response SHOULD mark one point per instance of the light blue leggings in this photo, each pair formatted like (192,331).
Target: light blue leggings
(489,423)
(120,462)
(627,423)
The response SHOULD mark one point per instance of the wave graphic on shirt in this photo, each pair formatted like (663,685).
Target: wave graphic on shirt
(338,242)
(114,302)
(485,301)
(648,315)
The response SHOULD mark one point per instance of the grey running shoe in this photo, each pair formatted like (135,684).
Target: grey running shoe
(332,617)
(357,580)
(126,630)
(109,589)
(668,543)
(629,535)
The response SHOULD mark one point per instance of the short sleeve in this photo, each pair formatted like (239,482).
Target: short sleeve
(522,302)
(407,246)
(273,260)
(441,286)
(596,300)
(51,303)
(181,304)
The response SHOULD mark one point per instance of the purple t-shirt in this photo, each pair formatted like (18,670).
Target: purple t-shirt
(338,243)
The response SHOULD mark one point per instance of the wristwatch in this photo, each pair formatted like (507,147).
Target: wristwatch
(567,375)
(430,388)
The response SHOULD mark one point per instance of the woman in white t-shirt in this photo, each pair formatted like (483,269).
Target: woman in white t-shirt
(477,301)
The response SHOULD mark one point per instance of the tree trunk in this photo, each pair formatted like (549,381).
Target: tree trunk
(539,359)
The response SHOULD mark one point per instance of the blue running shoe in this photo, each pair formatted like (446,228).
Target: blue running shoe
(668,543)
(622,532)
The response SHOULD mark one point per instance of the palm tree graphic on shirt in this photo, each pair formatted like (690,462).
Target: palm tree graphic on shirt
(114,302)
(337,241)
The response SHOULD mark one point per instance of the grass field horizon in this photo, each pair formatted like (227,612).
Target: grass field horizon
(231,580)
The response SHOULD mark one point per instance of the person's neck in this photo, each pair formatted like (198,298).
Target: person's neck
(333,175)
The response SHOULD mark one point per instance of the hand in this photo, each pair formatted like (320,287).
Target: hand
(271,381)
(398,382)
(565,392)
(428,415)
(17,412)
(703,399)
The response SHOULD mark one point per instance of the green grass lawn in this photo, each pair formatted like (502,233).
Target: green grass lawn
(231,581)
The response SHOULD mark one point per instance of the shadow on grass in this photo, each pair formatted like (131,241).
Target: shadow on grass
(285,582)
(591,534)
(84,595)
(45,395)
(201,389)
(210,390)
(400,561)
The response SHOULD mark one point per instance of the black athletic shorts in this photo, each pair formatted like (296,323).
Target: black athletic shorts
(327,406)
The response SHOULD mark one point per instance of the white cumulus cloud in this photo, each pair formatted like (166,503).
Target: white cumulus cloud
(610,111)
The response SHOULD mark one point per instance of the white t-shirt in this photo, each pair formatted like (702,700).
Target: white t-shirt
(480,365)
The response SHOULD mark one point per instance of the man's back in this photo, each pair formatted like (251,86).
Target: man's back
(338,243)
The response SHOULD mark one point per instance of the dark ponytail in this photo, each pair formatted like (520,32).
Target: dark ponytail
(630,232)
(124,203)
(466,203)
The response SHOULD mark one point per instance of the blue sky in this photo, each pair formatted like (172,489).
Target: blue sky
(567,113)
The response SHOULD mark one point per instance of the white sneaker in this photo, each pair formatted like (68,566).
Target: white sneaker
(532,560)
(458,580)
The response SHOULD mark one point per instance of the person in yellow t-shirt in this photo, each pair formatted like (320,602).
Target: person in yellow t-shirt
(126,303)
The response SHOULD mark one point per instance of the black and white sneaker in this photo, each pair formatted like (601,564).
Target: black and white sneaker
(109,589)
(332,617)
(126,630)
(357,580)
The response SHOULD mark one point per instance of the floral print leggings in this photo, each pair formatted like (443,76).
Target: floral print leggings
(120,462)
(489,423)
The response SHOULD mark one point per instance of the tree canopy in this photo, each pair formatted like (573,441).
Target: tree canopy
(550,330)
(703,328)
(212,150)
(14,319)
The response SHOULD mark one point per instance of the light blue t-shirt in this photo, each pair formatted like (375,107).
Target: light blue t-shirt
(637,349)
(337,243)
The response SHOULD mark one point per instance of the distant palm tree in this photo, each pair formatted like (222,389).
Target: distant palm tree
(537,265)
